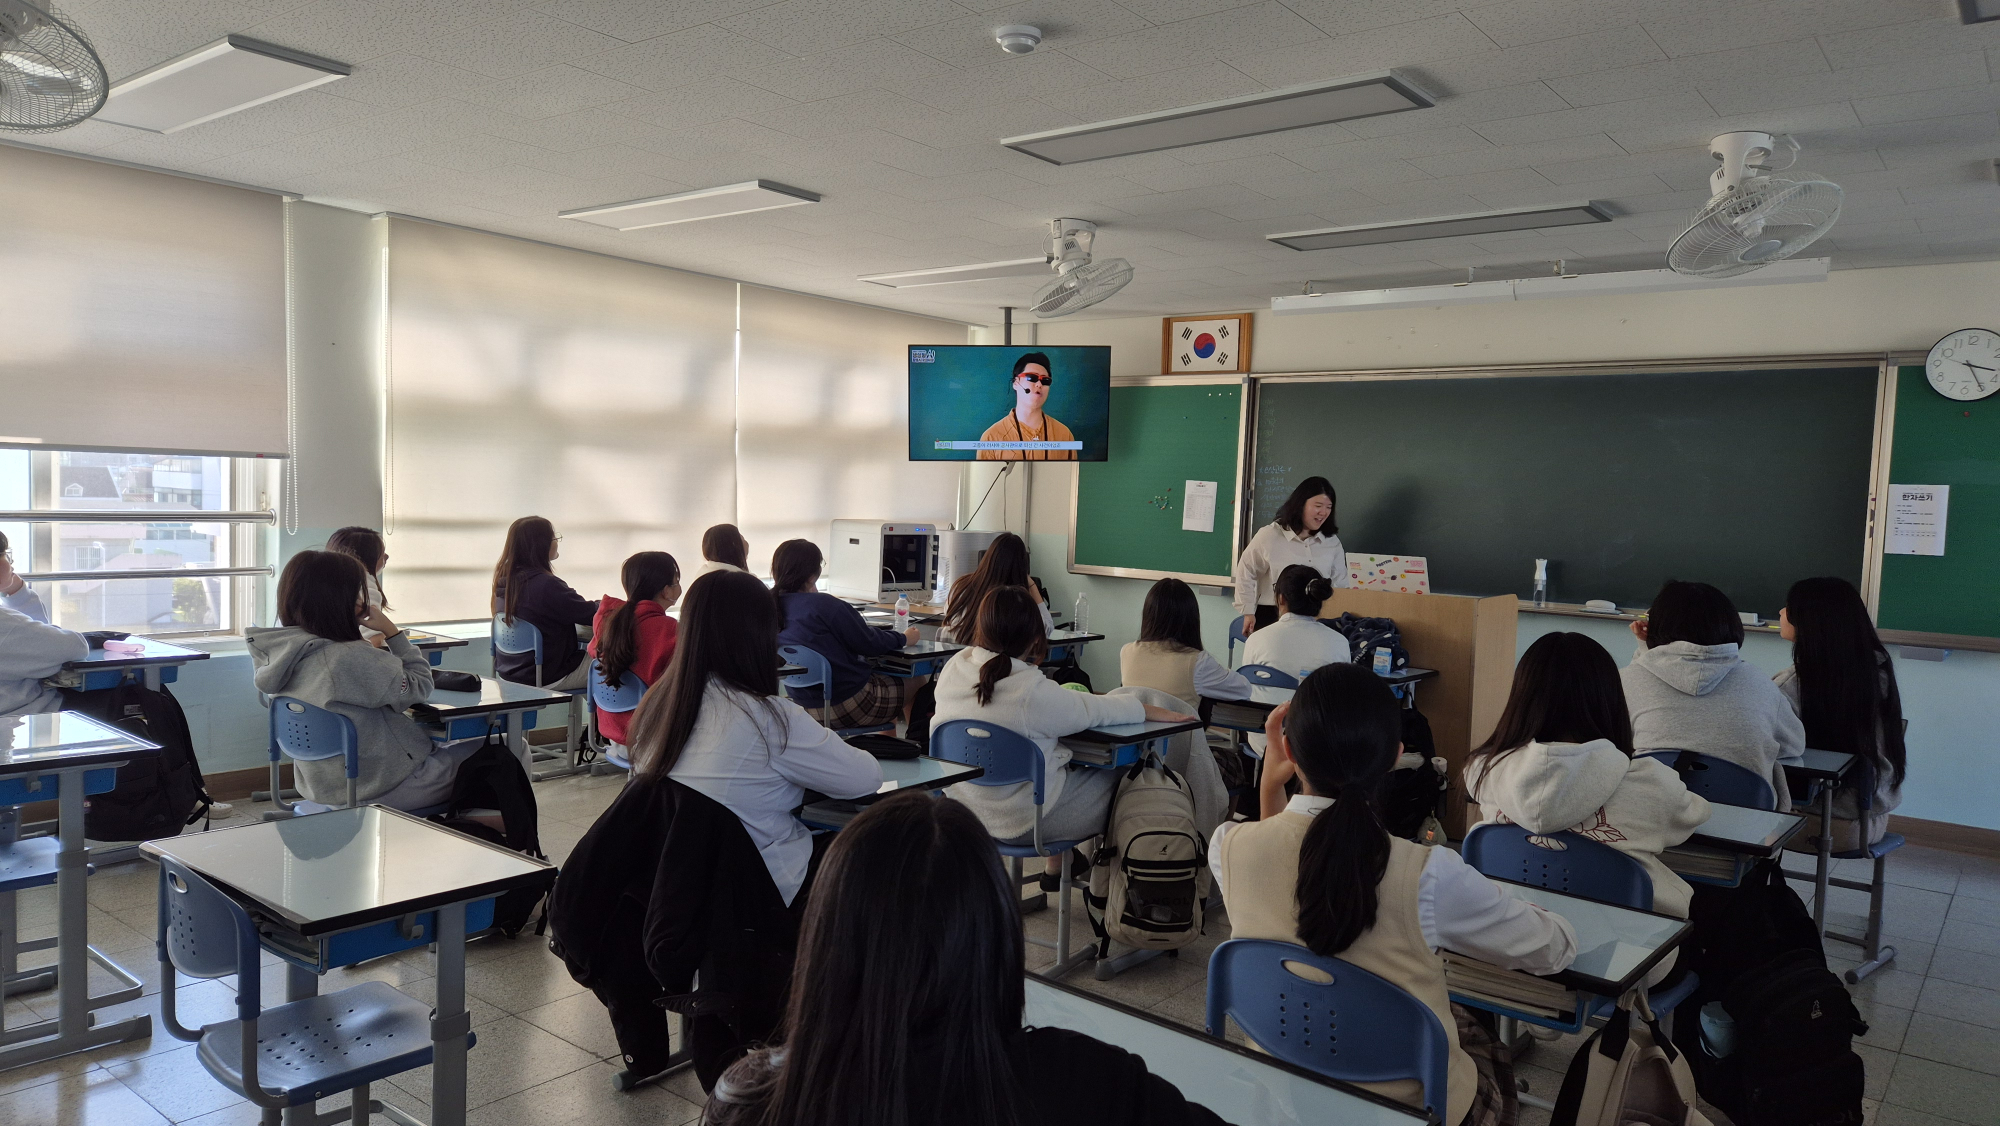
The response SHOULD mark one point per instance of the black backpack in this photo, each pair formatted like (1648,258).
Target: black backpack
(1365,635)
(156,796)
(492,778)
(1410,798)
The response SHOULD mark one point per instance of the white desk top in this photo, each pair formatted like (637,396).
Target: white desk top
(1753,832)
(64,740)
(1614,945)
(157,653)
(494,695)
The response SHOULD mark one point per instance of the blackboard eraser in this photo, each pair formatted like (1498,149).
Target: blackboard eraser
(1600,606)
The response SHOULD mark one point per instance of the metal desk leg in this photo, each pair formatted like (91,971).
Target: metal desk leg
(517,741)
(450,1023)
(153,678)
(1825,857)
(299,985)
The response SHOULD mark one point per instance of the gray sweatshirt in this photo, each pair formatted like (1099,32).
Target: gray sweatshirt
(367,685)
(30,649)
(1704,698)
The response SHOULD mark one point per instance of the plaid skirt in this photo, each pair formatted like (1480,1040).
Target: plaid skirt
(1497,1102)
(880,701)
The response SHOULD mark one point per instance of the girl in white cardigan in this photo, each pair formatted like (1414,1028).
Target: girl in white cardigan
(997,682)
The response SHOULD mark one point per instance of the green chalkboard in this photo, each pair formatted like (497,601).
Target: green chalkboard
(1744,479)
(1128,507)
(1942,442)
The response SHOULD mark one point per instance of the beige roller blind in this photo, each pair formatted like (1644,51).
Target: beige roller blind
(823,427)
(532,380)
(143,311)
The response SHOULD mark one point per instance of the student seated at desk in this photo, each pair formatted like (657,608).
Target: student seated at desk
(1690,690)
(1561,758)
(723,548)
(1169,655)
(525,588)
(913,884)
(997,681)
(30,647)
(1298,642)
(716,724)
(366,545)
(835,630)
(1004,564)
(634,634)
(1843,687)
(316,654)
(1321,871)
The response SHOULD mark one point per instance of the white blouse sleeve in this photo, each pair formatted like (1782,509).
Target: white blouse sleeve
(1250,568)
(812,757)
(1460,909)
(1217,683)
(1341,577)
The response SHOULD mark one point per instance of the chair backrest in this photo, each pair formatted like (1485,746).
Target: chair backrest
(1235,635)
(818,673)
(1268,677)
(1719,780)
(205,933)
(621,697)
(1358,1028)
(518,636)
(308,733)
(1566,862)
(1008,757)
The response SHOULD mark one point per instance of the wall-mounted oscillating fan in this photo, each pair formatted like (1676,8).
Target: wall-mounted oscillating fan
(50,75)
(1753,218)
(1082,283)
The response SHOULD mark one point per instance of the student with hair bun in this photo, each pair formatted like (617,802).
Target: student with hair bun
(1298,642)
(1321,871)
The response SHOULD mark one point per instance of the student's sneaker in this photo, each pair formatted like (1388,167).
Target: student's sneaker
(220,811)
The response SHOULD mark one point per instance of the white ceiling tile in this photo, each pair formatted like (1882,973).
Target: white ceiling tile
(1239,32)
(808,27)
(1470,109)
(552,92)
(351,32)
(1494,157)
(1892,108)
(682,57)
(1725,27)
(1914,42)
(1346,17)
(399,80)
(166,31)
(877,63)
(1768,67)
(478,152)
(699,103)
(1513,23)
(636,20)
(509,39)
(968,40)
(1805,122)
(1317,57)
(1539,62)
(1670,109)
(1748,92)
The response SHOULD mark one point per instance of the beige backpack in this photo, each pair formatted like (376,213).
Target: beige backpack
(1149,875)
(1628,1074)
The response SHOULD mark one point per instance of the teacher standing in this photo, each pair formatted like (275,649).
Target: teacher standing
(1302,532)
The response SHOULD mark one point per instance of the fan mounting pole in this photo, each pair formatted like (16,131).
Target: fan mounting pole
(1739,156)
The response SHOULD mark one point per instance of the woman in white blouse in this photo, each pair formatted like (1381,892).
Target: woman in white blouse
(715,723)
(1302,532)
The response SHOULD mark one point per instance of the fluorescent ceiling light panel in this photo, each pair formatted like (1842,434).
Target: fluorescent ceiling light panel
(1450,226)
(1529,289)
(1296,107)
(1978,11)
(233,73)
(686,207)
(977,271)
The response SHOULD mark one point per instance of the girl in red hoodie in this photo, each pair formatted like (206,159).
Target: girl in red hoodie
(634,633)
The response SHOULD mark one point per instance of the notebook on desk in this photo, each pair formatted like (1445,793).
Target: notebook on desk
(1470,977)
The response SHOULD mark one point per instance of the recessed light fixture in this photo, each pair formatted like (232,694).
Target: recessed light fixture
(233,73)
(686,207)
(1450,226)
(977,271)
(1295,107)
(1549,285)
(1978,11)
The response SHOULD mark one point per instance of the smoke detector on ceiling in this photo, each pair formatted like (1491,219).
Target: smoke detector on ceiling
(1017,39)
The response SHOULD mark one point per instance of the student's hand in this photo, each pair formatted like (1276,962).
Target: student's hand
(376,620)
(1162,715)
(1249,624)
(1274,731)
(1639,629)
(1271,796)
(912,636)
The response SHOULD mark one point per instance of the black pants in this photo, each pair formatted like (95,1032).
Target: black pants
(1266,615)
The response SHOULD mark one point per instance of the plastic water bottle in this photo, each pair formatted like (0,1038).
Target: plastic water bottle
(1081,624)
(902,611)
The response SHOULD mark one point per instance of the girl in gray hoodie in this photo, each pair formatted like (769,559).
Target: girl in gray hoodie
(1690,690)
(317,655)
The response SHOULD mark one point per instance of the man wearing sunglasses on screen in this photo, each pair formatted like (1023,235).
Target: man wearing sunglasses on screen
(1026,422)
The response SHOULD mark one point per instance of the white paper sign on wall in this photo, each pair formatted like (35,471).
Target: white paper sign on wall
(1917,519)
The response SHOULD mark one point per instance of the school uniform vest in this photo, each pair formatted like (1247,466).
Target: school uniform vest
(1260,865)
(1161,665)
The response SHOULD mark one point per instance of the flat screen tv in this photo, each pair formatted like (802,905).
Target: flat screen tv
(1009,402)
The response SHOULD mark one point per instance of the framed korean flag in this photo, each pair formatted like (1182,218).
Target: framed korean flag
(1205,344)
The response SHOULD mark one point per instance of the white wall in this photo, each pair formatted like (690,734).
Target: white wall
(337,358)
(1954,707)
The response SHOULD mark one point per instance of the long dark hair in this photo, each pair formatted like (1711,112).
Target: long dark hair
(1566,690)
(1848,699)
(793,568)
(1693,612)
(1343,730)
(1172,615)
(907,987)
(1292,514)
(319,592)
(644,576)
(724,544)
(729,634)
(530,542)
(1011,627)
(1004,564)
(366,545)
(1304,589)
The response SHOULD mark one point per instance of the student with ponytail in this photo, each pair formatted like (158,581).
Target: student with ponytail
(1298,642)
(1321,871)
(1843,687)
(634,634)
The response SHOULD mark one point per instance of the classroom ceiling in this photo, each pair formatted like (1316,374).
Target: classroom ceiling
(497,114)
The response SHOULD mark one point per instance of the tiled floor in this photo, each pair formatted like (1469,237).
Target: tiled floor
(545,1054)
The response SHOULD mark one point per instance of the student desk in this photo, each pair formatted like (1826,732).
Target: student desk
(159,664)
(1249,715)
(433,645)
(1120,744)
(1241,1086)
(1064,643)
(1615,947)
(1730,841)
(922,658)
(1822,772)
(66,756)
(466,715)
(343,886)
(921,773)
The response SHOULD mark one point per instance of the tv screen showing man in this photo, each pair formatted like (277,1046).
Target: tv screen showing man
(1052,403)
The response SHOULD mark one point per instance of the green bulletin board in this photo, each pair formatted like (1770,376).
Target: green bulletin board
(1939,441)
(1127,515)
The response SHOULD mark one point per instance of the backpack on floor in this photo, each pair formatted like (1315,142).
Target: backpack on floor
(156,796)
(1793,1061)
(1150,874)
(492,779)
(1412,795)
(1365,635)
(1628,1074)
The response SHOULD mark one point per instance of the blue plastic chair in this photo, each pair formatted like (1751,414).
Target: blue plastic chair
(1357,1028)
(1874,955)
(295,1053)
(308,733)
(621,698)
(1264,676)
(23,865)
(518,637)
(1009,759)
(1719,780)
(819,674)
(1236,636)
(1577,866)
